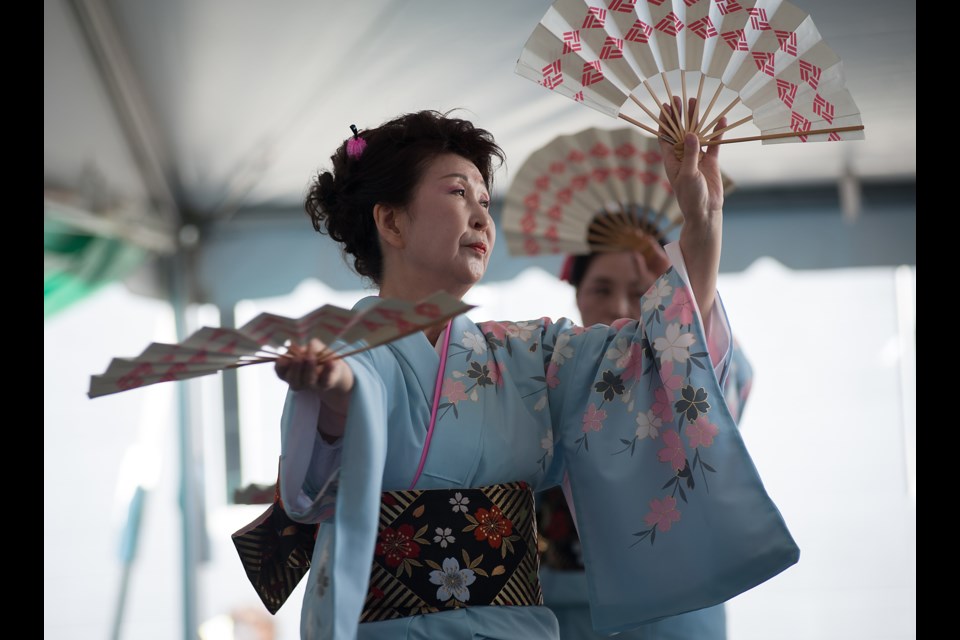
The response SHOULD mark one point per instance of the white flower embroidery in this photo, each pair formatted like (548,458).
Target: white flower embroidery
(648,425)
(654,297)
(444,537)
(562,350)
(453,581)
(474,341)
(546,443)
(620,351)
(521,330)
(541,403)
(459,502)
(474,396)
(674,346)
(458,374)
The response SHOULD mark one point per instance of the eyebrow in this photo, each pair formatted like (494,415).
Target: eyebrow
(455,175)
(464,178)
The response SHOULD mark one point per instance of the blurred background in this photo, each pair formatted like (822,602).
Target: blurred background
(179,138)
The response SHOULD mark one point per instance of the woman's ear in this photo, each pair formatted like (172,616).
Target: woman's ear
(390,223)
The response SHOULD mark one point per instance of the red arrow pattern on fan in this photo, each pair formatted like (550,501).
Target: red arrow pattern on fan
(651,157)
(736,39)
(786,91)
(758,19)
(542,183)
(764,61)
(552,76)
(656,3)
(703,28)
(555,213)
(571,42)
(596,17)
(624,173)
(625,150)
(623,6)
(639,32)
(810,74)
(557,167)
(648,177)
(551,233)
(612,49)
(133,379)
(823,108)
(580,182)
(799,123)
(787,40)
(531,247)
(578,96)
(592,73)
(600,150)
(532,202)
(600,174)
(528,222)
(576,156)
(690,3)
(728,6)
(670,25)
(833,137)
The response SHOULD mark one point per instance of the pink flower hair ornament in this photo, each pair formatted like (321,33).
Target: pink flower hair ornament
(356,144)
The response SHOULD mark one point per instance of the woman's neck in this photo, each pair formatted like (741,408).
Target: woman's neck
(412,289)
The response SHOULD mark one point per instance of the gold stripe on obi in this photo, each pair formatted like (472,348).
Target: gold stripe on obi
(440,549)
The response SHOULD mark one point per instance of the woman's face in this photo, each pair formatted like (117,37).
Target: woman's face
(449,233)
(612,286)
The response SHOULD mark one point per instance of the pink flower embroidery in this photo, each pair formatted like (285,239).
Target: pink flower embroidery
(633,367)
(701,432)
(673,452)
(681,307)
(496,370)
(662,513)
(663,404)
(593,418)
(670,381)
(552,379)
(454,391)
(497,329)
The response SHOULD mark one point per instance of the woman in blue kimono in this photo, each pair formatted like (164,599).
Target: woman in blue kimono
(609,286)
(419,458)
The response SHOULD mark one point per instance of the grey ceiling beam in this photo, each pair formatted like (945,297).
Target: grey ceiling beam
(113,63)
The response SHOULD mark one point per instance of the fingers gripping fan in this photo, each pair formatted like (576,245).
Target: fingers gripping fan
(595,190)
(760,62)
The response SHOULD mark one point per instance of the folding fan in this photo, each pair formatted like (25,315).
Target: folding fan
(760,61)
(210,350)
(595,190)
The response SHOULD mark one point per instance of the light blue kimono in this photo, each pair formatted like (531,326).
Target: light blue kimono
(672,515)
(565,592)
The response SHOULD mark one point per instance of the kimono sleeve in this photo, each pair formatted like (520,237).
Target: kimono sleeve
(671,512)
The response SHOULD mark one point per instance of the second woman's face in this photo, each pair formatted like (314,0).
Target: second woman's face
(449,232)
(612,286)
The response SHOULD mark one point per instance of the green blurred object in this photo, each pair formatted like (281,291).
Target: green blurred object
(76,263)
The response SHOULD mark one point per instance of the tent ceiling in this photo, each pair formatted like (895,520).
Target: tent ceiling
(249,98)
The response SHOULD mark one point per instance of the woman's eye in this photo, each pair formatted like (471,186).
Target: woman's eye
(459,192)
(485,204)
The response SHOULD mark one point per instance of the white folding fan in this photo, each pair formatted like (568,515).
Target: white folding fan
(261,340)
(759,61)
(595,190)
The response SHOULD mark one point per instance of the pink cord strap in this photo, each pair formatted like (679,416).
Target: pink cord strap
(436,402)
